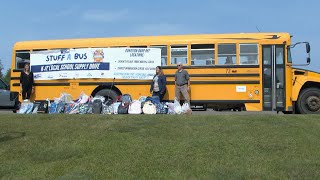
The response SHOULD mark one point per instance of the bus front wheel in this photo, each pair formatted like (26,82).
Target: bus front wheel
(109,94)
(309,101)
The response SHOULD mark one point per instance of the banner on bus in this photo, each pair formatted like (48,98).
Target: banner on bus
(119,63)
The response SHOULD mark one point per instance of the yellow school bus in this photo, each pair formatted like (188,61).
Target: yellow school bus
(247,71)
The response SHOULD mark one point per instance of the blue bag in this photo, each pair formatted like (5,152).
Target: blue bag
(53,108)
(162,108)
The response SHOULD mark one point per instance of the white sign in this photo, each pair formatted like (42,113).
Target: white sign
(119,63)
(241,88)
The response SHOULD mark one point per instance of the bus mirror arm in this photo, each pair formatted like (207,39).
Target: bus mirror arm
(307,50)
(294,45)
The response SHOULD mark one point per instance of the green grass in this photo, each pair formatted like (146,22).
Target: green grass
(159,147)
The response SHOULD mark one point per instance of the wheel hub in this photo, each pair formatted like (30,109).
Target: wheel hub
(313,103)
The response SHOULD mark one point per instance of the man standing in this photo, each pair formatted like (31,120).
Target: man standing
(182,82)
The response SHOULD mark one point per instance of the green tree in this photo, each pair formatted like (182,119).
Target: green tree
(1,69)
(7,76)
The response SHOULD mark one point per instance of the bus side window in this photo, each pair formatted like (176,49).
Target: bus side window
(22,57)
(179,53)
(164,53)
(248,53)
(202,54)
(227,54)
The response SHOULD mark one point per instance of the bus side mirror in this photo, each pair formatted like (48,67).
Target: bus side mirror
(308,47)
(308,60)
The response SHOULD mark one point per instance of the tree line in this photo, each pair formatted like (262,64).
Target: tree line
(5,76)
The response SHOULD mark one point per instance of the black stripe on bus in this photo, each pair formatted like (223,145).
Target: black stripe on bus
(196,75)
(141,83)
(224,82)
(17,70)
(212,67)
(169,82)
(15,78)
(45,84)
(223,101)
(218,75)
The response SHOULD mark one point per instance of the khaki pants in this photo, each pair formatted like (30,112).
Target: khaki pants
(184,91)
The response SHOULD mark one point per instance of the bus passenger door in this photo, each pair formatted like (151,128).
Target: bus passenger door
(273,77)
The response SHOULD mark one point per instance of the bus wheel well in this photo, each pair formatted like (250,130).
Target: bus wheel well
(97,89)
(308,99)
(310,84)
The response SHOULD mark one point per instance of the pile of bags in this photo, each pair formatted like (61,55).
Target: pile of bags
(98,105)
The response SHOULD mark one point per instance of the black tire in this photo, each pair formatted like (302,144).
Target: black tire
(16,107)
(309,101)
(110,95)
(287,112)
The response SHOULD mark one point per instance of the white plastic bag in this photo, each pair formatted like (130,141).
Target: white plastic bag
(103,99)
(115,107)
(149,108)
(49,103)
(135,107)
(185,107)
(65,97)
(83,98)
(170,108)
(177,106)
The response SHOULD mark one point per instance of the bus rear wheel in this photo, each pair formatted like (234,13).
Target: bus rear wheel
(309,101)
(109,94)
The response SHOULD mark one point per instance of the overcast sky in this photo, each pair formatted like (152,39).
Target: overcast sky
(61,19)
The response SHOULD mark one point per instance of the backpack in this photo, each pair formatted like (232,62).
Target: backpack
(36,107)
(135,107)
(75,108)
(53,108)
(115,107)
(97,106)
(126,98)
(162,108)
(83,108)
(60,107)
(107,109)
(43,107)
(68,107)
(149,108)
(123,108)
(90,108)
(29,108)
(155,99)
(142,98)
(149,98)
(23,108)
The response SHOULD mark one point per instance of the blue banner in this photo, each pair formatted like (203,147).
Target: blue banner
(71,67)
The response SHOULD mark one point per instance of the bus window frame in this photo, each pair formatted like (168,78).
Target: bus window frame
(211,49)
(257,44)
(16,68)
(167,56)
(236,54)
(188,54)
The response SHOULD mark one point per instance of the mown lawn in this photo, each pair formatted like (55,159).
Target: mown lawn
(159,146)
